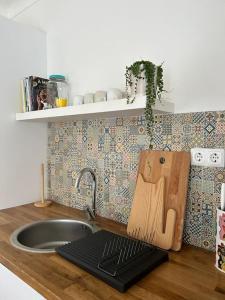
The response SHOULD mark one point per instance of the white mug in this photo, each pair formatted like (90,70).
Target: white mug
(88,98)
(78,100)
(100,96)
(114,94)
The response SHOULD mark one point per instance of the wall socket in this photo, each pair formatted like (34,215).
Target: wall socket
(207,157)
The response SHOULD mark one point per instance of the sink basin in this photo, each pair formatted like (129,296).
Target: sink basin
(44,236)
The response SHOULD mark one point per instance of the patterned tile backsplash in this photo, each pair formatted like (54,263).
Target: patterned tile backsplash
(111,147)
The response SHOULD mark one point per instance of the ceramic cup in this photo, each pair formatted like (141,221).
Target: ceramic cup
(100,96)
(78,100)
(88,98)
(220,240)
(114,94)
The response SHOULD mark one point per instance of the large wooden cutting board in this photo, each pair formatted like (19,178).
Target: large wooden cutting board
(174,167)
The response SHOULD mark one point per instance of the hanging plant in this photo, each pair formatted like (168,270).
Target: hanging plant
(153,77)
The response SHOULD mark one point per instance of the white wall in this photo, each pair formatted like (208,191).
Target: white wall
(23,145)
(93,41)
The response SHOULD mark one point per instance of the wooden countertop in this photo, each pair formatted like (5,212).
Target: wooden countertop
(190,274)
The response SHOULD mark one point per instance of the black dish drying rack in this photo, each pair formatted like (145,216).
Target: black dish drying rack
(119,261)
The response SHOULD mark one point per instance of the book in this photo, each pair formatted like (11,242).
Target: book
(34,94)
(22,96)
(27,106)
(37,93)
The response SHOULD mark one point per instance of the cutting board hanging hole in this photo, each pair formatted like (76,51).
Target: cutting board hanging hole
(162,160)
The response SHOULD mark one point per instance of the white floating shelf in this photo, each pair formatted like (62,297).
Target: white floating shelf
(114,108)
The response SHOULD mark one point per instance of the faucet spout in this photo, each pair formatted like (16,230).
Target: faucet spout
(91,211)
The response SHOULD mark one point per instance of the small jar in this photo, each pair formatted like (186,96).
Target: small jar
(58,91)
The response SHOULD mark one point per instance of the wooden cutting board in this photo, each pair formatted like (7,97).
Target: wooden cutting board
(147,214)
(174,167)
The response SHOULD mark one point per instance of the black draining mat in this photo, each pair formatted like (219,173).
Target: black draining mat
(87,253)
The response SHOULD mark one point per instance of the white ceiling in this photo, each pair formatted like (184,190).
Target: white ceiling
(11,8)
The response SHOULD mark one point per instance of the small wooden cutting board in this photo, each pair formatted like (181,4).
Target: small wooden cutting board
(174,168)
(147,214)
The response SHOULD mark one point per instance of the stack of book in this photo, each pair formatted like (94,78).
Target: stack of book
(34,93)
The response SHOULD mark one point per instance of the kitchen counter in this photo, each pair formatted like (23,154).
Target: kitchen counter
(190,274)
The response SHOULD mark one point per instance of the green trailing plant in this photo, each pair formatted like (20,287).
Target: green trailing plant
(153,76)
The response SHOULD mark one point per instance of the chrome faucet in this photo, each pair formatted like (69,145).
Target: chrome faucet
(90,210)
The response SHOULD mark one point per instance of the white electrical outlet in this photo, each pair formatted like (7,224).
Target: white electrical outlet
(207,157)
(215,157)
(198,157)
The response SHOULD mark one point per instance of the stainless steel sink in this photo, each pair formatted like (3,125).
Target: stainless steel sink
(44,236)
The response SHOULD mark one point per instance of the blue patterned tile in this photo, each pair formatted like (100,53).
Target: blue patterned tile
(112,146)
